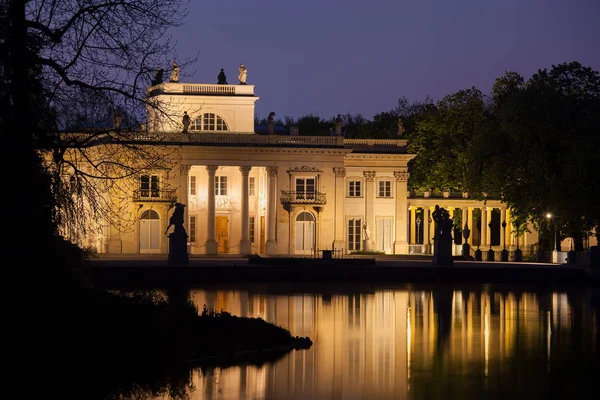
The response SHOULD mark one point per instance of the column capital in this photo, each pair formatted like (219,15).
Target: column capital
(271,170)
(185,169)
(340,172)
(401,176)
(245,169)
(212,169)
(369,175)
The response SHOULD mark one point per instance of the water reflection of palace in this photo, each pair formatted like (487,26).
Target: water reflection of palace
(375,345)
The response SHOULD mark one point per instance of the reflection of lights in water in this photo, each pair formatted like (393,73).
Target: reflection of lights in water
(486,336)
(408,347)
(548,335)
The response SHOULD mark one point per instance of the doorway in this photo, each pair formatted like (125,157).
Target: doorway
(305,233)
(150,232)
(222,232)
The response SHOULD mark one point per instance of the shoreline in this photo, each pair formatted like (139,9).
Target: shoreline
(144,274)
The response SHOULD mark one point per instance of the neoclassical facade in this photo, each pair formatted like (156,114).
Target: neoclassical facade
(273,193)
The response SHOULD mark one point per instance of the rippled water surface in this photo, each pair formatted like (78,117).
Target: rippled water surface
(424,342)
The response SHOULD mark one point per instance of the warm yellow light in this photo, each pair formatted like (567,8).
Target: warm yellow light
(548,215)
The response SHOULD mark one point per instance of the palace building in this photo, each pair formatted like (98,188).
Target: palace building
(282,192)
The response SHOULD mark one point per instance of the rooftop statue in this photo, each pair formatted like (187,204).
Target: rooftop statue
(243,74)
(186,121)
(175,73)
(338,125)
(221,78)
(158,77)
(271,121)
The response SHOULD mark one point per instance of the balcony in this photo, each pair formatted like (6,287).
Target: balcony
(155,195)
(313,198)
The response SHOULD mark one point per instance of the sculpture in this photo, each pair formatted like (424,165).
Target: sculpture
(271,121)
(442,239)
(174,73)
(367,230)
(338,125)
(176,220)
(400,127)
(221,78)
(186,122)
(158,77)
(243,74)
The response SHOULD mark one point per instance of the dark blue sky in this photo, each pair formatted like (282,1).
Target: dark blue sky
(326,57)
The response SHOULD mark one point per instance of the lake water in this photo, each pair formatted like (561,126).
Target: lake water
(414,342)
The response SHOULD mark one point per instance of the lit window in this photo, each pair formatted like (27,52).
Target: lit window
(149,186)
(354,188)
(251,229)
(305,188)
(385,189)
(192,229)
(354,234)
(209,122)
(252,186)
(220,186)
(192,185)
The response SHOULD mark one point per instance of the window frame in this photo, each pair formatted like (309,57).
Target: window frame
(354,231)
(251,186)
(209,122)
(153,186)
(387,191)
(351,191)
(221,185)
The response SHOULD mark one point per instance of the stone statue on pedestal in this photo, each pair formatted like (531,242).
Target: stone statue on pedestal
(338,125)
(178,253)
(442,241)
(221,78)
(174,73)
(271,122)
(186,121)
(243,74)
(158,77)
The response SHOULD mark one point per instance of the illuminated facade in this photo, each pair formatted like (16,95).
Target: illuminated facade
(252,193)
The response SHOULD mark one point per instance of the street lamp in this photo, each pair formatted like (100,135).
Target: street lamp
(504,254)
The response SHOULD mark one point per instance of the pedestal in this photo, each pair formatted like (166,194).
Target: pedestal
(595,256)
(212,247)
(367,245)
(478,255)
(490,255)
(504,255)
(442,251)
(518,255)
(178,249)
(571,257)
(466,251)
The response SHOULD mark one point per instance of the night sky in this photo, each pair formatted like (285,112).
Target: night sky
(325,57)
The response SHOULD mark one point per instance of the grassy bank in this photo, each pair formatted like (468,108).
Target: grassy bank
(101,343)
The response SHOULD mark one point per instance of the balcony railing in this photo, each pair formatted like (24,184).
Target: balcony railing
(155,195)
(288,197)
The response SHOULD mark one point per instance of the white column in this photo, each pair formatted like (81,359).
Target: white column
(426,236)
(503,232)
(484,227)
(401,243)
(245,244)
(370,207)
(272,211)
(212,247)
(413,233)
(489,231)
(339,238)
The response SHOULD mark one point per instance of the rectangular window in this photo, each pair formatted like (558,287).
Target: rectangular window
(149,186)
(385,189)
(305,188)
(354,234)
(251,229)
(192,185)
(220,186)
(252,186)
(192,229)
(354,189)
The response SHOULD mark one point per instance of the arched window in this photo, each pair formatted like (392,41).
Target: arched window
(209,122)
